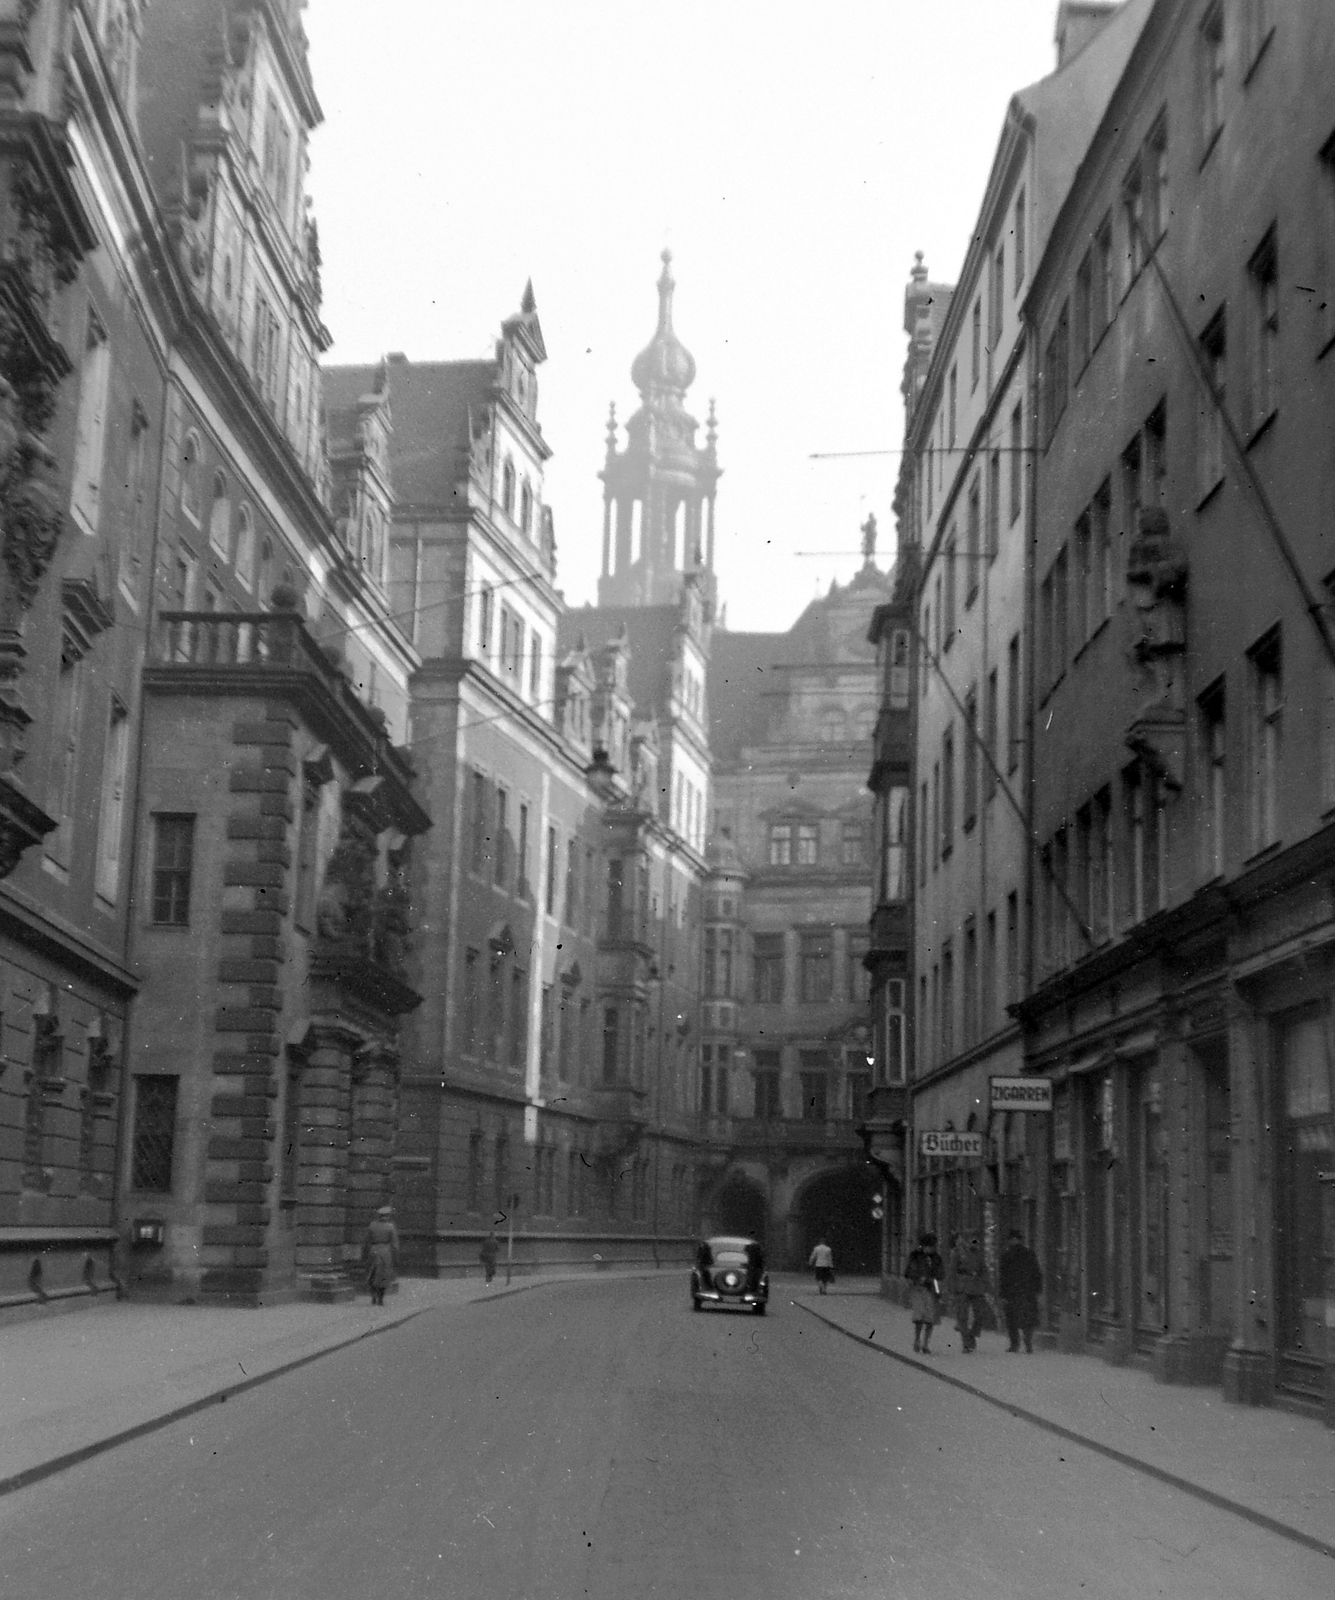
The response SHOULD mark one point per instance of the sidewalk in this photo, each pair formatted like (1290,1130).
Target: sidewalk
(74,1385)
(1271,1466)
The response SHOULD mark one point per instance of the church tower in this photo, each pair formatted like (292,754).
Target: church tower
(658,493)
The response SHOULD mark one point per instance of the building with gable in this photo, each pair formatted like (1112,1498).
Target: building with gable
(787,1055)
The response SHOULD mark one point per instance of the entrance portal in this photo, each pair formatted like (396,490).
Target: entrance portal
(836,1207)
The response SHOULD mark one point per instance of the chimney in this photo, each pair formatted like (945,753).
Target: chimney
(1077,23)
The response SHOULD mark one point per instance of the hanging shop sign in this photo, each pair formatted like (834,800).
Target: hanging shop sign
(1021,1094)
(944,1142)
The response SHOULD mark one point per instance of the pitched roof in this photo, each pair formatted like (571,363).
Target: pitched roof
(428,406)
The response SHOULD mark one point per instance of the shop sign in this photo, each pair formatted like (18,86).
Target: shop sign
(944,1142)
(1021,1094)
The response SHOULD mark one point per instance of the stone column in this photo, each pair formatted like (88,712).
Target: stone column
(375,1097)
(323,1167)
(1249,1364)
(1180,1356)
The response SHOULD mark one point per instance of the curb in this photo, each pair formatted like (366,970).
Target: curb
(1212,1497)
(85,1452)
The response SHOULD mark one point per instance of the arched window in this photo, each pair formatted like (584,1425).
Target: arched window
(508,488)
(245,547)
(265,583)
(526,509)
(220,517)
(190,467)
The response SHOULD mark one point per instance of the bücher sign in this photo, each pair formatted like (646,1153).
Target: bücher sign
(1021,1094)
(941,1142)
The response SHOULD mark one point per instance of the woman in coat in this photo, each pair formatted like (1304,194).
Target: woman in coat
(923,1271)
(380,1252)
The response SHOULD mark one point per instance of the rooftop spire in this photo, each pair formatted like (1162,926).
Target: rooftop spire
(665,364)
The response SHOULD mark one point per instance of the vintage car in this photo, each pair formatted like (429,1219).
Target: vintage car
(730,1271)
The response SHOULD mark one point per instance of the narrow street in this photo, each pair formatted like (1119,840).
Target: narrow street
(598,1439)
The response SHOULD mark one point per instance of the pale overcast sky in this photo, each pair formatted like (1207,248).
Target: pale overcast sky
(792,156)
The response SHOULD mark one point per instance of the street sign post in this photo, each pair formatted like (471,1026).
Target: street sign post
(945,1142)
(1021,1094)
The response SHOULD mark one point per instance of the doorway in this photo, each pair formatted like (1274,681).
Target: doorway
(837,1207)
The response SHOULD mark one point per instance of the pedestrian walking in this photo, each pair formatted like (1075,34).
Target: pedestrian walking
(487,1255)
(924,1271)
(967,1283)
(380,1252)
(1019,1284)
(822,1259)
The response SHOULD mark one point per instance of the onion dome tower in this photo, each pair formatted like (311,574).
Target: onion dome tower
(658,493)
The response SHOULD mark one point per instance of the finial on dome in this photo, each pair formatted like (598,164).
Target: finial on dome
(919,273)
(665,364)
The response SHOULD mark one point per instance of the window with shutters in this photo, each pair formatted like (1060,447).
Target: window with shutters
(90,434)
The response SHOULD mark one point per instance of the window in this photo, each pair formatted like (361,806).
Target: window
(1013,732)
(1132,486)
(502,824)
(947,790)
(1156,455)
(814,1107)
(1101,555)
(946,611)
(136,483)
(90,438)
(1012,947)
(522,886)
(767,963)
(1155,179)
(484,607)
(526,509)
(1214,773)
(1101,289)
(947,1000)
(1133,207)
(572,884)
(518,1017)
(922,835)
(535,664)
(611,1027)
(853,846)
(1060,600)
(993,521)
(508,489)
(780,844)
(220,518)
(190,469)
(1082,302)
(173,862)
(1046,662)
(112,818)
(1082,584)
(816,967)
(1101,880)
(1056,369)
(1263,277)
(1266,660)
(987,1005)
(1210,430)
(953,397)
(936,815)
(1017,463)
(973,541)
(970,754)
(1019,240)
(549,899)
(154,1140)
(808,844)
(768,1104)
(931,464)
(245,548)
(990,734)
(857,943)
(996,298)
(970,983)
(976,344)
(66,731)
(477,854)
(1212,76)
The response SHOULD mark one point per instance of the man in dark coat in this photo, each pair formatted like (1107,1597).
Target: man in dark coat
(487,1253)
(1019,1284)
(967,1280)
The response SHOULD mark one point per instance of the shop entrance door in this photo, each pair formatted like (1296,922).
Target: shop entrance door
(1305,1226)
(1101,1188)
(1151,1203)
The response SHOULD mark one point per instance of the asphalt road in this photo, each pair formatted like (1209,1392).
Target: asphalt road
(599,1439)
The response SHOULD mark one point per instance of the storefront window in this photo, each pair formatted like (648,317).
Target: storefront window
(1306,1227)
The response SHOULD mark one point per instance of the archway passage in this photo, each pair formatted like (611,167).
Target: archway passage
(836,1206)
(738,1208)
